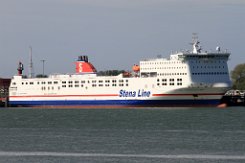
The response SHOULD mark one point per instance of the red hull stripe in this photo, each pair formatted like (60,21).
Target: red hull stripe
(99,95)
(202,94)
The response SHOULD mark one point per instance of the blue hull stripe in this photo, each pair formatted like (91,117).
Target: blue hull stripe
(117,102)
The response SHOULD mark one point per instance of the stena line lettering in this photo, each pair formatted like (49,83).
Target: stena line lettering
(139,93)
(124,93)
(143,93)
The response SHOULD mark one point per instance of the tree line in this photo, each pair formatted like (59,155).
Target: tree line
(238,77)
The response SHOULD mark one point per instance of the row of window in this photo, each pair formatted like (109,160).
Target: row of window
(158,68)
(172,84)
(206,56)
(72,82)
(96,85)
(206,61)
(164,82)
(168,74)
(38,83)
(178,62)
(94,81)
(208,66)
(77,85)
(160,63)
(49,82)
(48,88)
(210,73)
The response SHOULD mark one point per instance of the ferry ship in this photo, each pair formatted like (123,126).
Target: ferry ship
(186,78)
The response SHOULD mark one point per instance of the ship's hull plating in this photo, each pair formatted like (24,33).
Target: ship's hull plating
(116,103)
(156,101)
(179,97)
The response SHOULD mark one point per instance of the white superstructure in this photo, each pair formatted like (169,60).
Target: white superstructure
(186,78)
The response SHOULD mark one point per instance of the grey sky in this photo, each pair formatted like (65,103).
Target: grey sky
(115,34)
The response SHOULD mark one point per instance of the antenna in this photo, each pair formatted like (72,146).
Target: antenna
(195,43)
(31,74)
(194,37)
(43,65)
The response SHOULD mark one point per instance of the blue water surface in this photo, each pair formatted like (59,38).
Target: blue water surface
(123,135)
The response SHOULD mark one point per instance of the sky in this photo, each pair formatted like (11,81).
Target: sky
(114,34)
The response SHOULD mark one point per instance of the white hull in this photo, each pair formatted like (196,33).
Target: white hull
(185,79)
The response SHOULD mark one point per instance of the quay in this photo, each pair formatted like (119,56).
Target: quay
(4,91)
(234,98)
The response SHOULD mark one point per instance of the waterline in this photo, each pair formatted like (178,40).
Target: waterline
(180,156)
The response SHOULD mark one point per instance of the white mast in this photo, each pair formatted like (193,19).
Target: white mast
(195,43)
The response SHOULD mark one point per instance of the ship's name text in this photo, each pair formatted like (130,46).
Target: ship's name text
(139,93)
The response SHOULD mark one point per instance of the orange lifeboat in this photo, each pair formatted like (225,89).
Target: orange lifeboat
(136,68)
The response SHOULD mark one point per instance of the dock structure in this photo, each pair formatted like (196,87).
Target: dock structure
(234,98)
(4,91)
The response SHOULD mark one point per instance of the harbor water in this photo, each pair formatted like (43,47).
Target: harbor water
(140,135)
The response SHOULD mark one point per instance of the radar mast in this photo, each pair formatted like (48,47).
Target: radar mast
(195,44)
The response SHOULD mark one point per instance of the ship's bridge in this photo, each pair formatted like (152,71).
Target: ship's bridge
(187,68)
(198,54)
(206,56)
(201,56)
